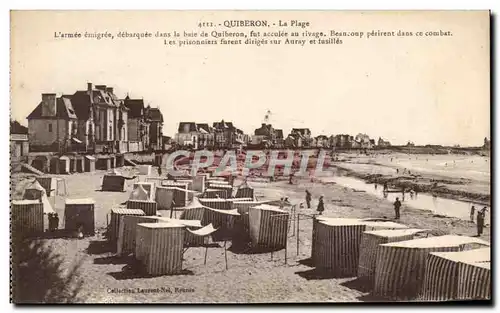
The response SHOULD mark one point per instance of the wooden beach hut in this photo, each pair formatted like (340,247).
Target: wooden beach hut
(159,247)
(27,217)
(441,280)
(222,220)
(216,203)
(216,193)
(181,196)
(89,163)
(400,266)
(268,226)
(80,212)
(113,183)
(199,183)
(244,191)
(114,224)
(64,165)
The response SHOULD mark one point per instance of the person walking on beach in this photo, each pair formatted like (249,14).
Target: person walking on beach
(472,211)
(397,206)
(321,206)
(385,186)
(480,222)
(308,199)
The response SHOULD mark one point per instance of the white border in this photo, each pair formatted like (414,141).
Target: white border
(198,5)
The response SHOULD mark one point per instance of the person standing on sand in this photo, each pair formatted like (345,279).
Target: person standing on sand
(480,222)
(321,206)
(397,206)
(308,199)
(472,211)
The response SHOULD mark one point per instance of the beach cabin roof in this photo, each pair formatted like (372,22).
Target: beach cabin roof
(469,256)
(438,241)
(269,208)
(80,201)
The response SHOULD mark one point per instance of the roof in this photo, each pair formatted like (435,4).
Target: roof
(160,225)
(17,128)
(64,110)
(438,241)
(203,126)
(80,201)
(302,131)
(223,125)
(192,127)
(136,107)
(269,208)
(154,114)
(128,211)
(475,255)
(279,133)
(340,221)
(388,233)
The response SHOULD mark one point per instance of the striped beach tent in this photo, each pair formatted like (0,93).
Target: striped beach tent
(159,247)
(35,191)
(181,196)
(370,241)
(400,266)
(114,224)
(127,232)
(338,240)
(194,211)
(164,197)
(268,226)
(241,223)
(216,193)
(244,191)
(27,217)
(190,240)
(474,281)
(223,220)
(337,243)
(149,187)
(441,280)
(149,207)
(216,203)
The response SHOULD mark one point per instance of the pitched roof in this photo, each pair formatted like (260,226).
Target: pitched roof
(81,104)
(203,126)
(64,110)
(192,127)
(154,114)
(17,128)
(302,131)
(136,107)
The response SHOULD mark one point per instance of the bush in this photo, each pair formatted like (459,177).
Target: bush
(38,276)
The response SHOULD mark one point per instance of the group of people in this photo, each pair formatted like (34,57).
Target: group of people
(479,218)
(321,204)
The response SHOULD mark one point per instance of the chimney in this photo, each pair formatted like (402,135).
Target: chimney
(49,107)
(109,89)
(263,125)
(100,87)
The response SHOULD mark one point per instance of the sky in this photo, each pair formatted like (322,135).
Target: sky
(430,90)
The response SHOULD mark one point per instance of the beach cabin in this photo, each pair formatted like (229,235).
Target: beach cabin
(80,213)
(149,207)
(159,247)
(164,197)
(89,163)
(217,193)
(64,165)
(144,169)
(149,187)
(127,231)
(113,183)
(268,226)
(114,224)
(27,218)
(441,280)
(474,281)
(400,266)
(370,241)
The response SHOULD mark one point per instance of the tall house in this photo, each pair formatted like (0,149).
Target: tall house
(187,134)
(102,119)
(52,125)
(138,124)
(226,134)
(155,128)
(206,136)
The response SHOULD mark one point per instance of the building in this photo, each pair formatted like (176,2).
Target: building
(206,137)
(225,134)
(102,119)
(138,124)
(304,134)
(363,141)
(155,128)
(187,135)
(322,141)
(19,144)
(279,139)
(52,125)
(487,143)
(382,143)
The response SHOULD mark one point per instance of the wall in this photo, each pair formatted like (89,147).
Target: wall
(38,131)
(133,129)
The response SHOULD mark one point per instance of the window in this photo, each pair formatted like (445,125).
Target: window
(110,133)
(50,128)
